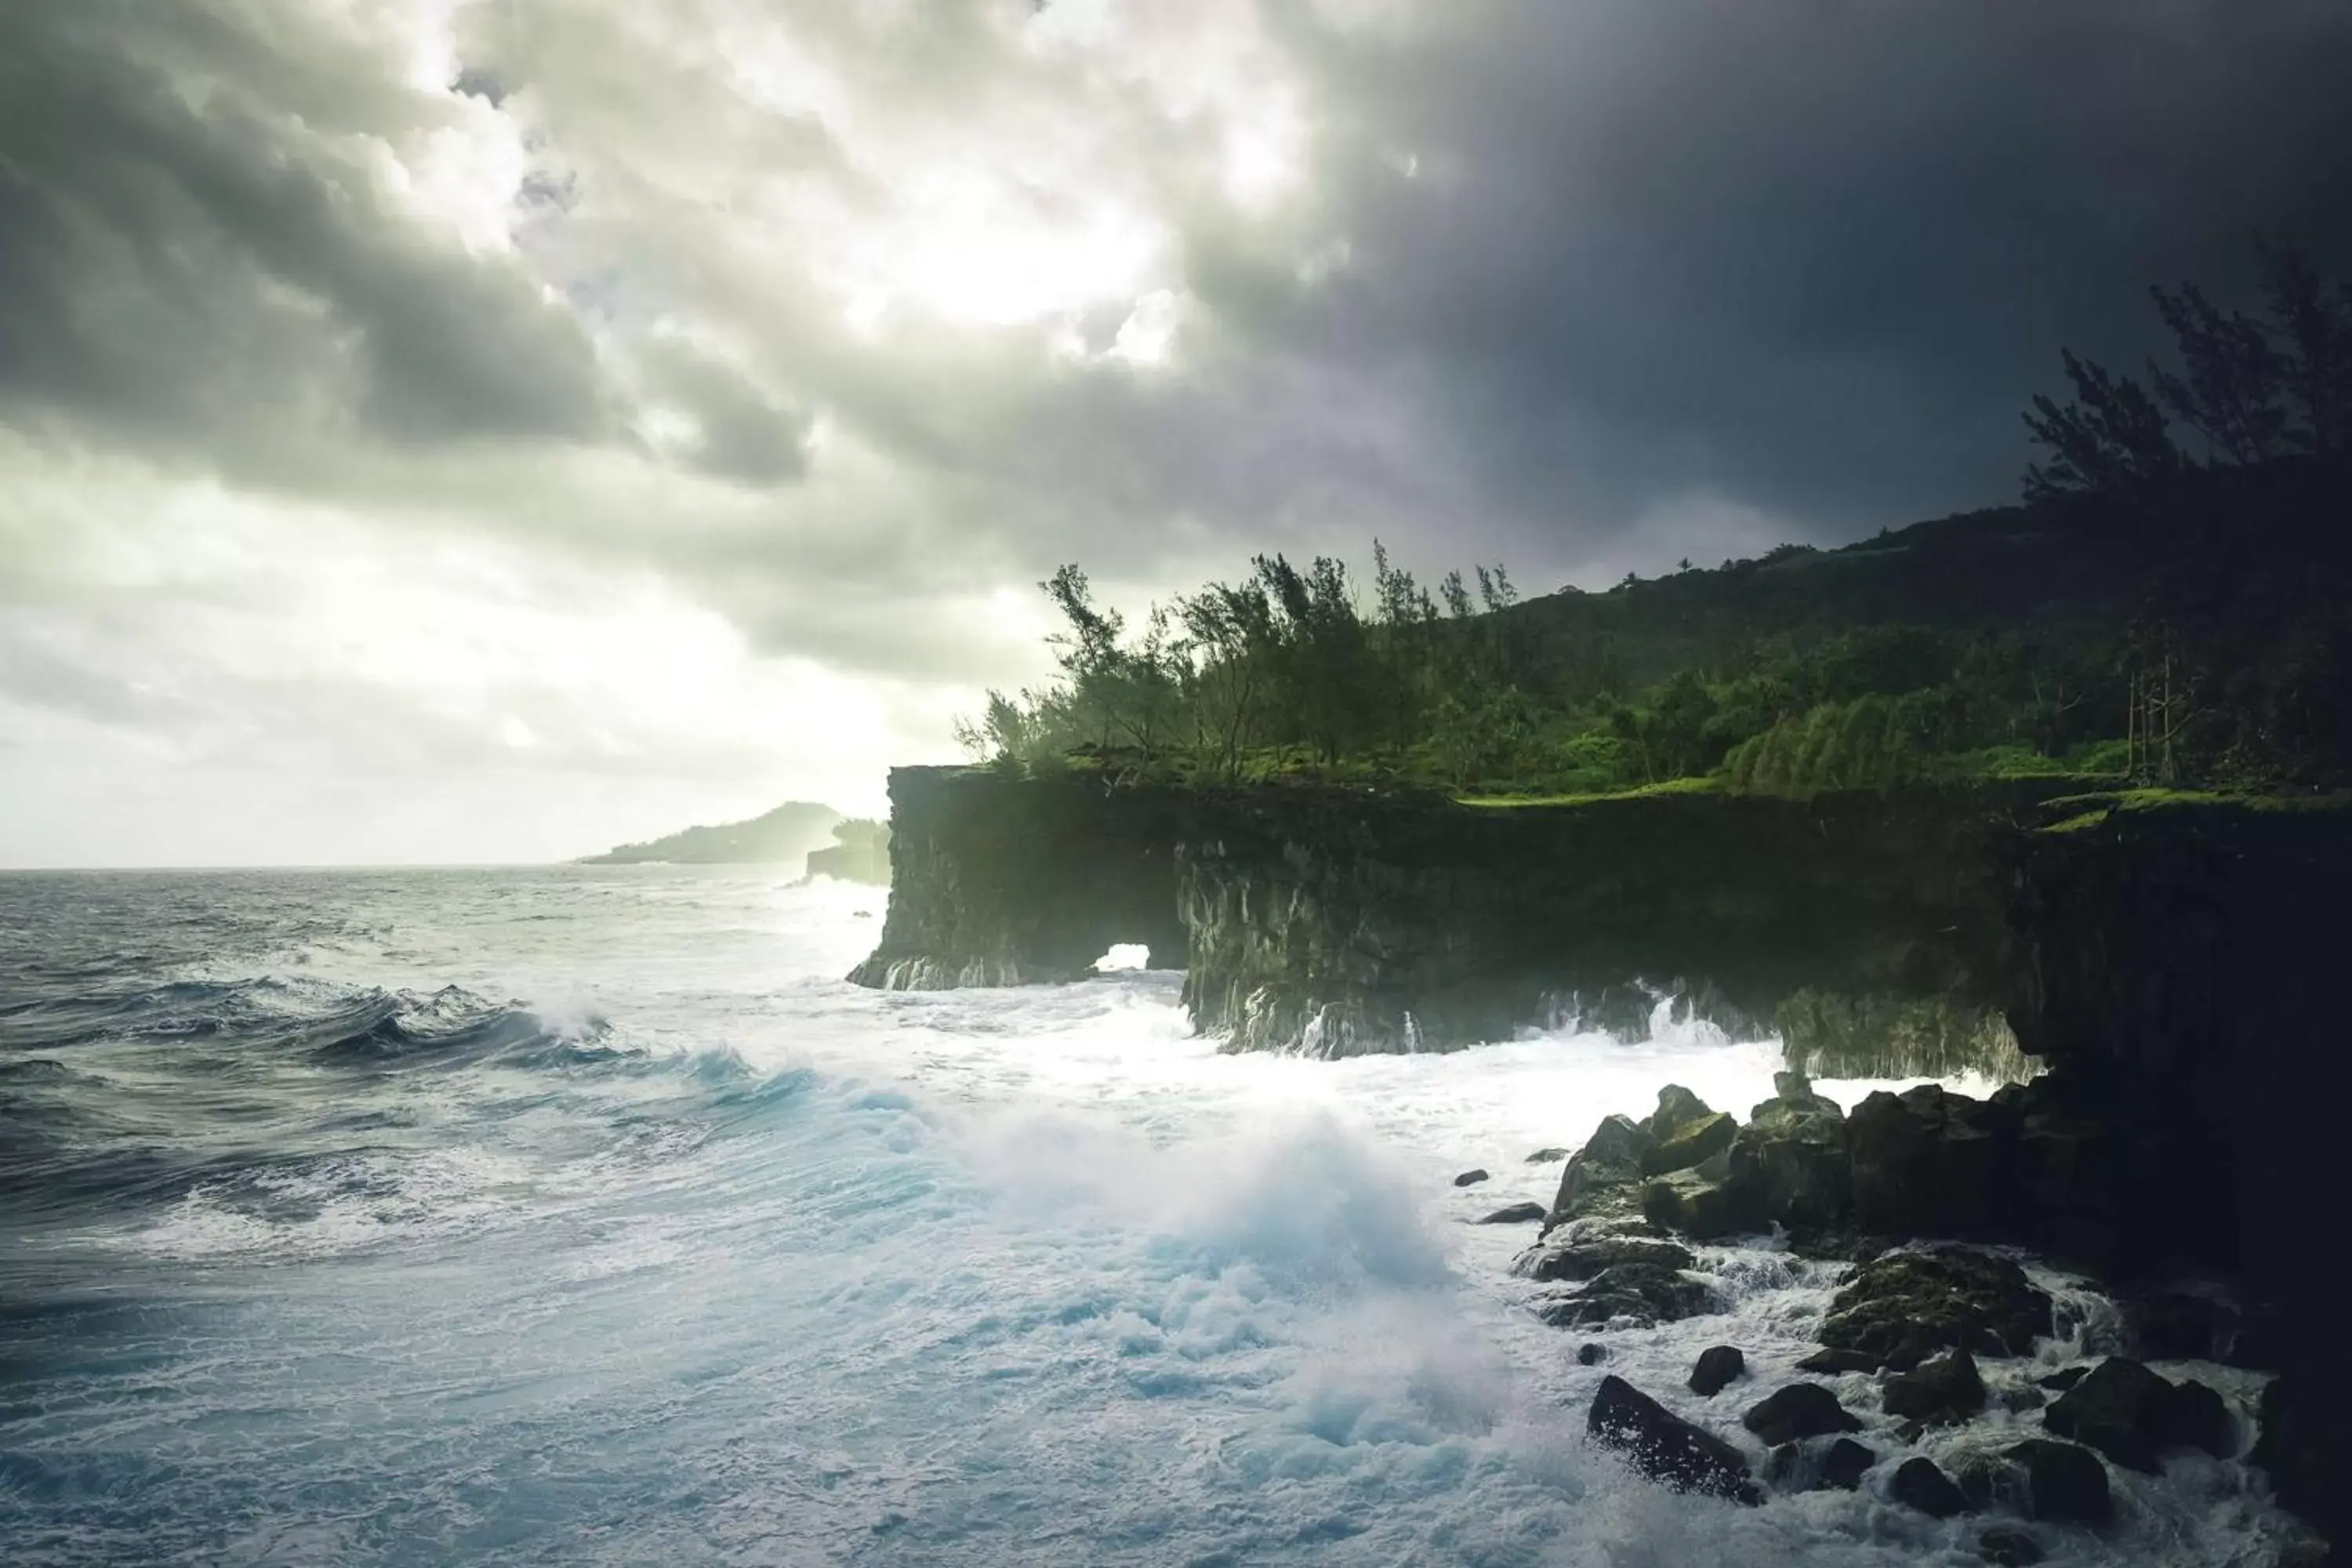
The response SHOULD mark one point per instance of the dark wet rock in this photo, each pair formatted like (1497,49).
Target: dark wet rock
(1591,1353)
(1664,1447)
(2063,1481)
(1792,1090)
(1690,1202)
(1608,1163)
(2122,1409)
(2005,1548)
(1919,1484)
(2291,1441)
(1581,1260)
(1717,1365)
(1798,1411)
(1910,1432)
(1987,1480)
(1835,1363)
(1547,1156)
(1678,1109)
(1904,1306)
(2063,1378)
(1469,1178)
(2197,1417)
(1944,1390)
(1925,1162)
(1644,1293)
(1812,1467)
(2020,1400)
(1692,1144)
(1846,1463)
(1516,1213)
(1790,1164)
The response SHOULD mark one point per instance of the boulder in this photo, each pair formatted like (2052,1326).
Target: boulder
(1800,1410)
(1905,1305)
(1944,1390)
(2198,1419)
(1469,1178)
(1846,1463)
(1835,1364)
(2005,1548)
(1702,1208)
(2122,1409)
(1580,1260)
(1813,1467)
(1694,1143)
(1516,1213)
(1678,1109)
(1642,1294)
(1790,1166)
(2063,1481)
(1610,1160)
(1793,1090)
(1547,1156)
(1664,1447)
(2064,1378)
(1925,1162)
(1591,1353)
(1919,1484)
(1717,1365)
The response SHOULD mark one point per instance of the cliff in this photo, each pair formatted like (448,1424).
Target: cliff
(1339,921)
(1003,881)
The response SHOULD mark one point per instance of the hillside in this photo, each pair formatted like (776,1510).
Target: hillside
(782,836)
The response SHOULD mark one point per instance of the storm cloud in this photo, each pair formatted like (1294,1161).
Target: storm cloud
(620,411)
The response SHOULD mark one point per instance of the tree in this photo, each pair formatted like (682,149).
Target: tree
(2316,370)
(2114,436)
(2233,394)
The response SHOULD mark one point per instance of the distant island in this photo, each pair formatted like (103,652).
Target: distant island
(782,836)
(819,839)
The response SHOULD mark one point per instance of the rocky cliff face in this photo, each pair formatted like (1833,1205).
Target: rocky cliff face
(2178,967)
(1337,925)
(1001,881)
(1338,921)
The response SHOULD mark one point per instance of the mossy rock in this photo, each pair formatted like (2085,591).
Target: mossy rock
(1904,1306)
(1698,1141)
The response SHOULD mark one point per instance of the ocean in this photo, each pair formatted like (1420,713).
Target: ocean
(585,1214)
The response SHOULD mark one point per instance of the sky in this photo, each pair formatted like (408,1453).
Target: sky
(462,431)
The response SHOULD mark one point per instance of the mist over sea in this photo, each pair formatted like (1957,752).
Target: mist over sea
(585,1214)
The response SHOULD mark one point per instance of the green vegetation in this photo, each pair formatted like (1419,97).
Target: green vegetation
(2149,617)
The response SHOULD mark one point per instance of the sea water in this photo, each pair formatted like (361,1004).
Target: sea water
(584,1214)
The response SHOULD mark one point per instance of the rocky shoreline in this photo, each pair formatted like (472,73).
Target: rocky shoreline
(2168,959)
(1956,1373)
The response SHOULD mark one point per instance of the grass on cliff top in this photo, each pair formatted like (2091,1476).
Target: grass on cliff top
(1702,785)
(2090,810)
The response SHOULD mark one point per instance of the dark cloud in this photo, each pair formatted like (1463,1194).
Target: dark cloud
(1811,257)
(189,262)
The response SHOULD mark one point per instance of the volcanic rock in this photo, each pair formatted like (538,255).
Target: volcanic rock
(1644,1293)
(1664,1447)
(2122,1409)
(1798,1411)
(1905,1305)
(2064,1482)
(1717,1365)
(1516,1213)
(1944,1390)
(1694,1143)
(1919,1484)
